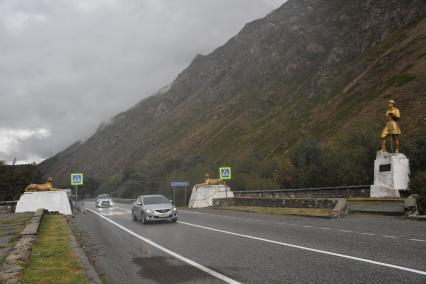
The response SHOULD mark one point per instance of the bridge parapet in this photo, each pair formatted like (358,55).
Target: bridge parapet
(314,192)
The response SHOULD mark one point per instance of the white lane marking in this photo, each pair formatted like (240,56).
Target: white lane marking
(237,218)
(309,249)
(122,208)
(184,259)
(267,222)
(417,240)
(390,237)
(345,231)
(281,223)
(195,212)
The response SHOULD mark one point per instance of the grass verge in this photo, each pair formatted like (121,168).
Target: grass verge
(313,212)
(53,259)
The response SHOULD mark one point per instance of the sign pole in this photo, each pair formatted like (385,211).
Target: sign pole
(225,174)
(185,198)
(175,184)
(76,179)
(174,195)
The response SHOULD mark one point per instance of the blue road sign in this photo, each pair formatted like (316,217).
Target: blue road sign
(179,183)
(225,173)
(77,179)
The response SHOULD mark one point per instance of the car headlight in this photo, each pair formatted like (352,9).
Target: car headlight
(174,209)
(148,211)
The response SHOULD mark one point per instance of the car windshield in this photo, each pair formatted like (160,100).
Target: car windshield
(155,200)
(103,196)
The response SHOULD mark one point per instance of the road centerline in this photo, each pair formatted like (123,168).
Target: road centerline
(310,249)
(301,226)
(124,209)
(417,240)
(178,256)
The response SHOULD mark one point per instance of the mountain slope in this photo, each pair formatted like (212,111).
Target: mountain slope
(310,69)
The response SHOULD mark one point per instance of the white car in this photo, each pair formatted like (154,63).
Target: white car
(103,200)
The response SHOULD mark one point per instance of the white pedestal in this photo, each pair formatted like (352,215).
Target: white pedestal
(203,195)
(391,174)
(54,201)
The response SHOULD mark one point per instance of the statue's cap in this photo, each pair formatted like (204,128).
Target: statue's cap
(391,102)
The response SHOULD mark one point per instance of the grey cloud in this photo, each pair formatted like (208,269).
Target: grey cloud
(66,66)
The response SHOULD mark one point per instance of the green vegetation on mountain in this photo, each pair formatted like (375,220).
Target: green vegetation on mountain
(296,99)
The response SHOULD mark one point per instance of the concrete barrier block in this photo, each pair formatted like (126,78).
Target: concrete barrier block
(53,201)
(203,196)
(340,209)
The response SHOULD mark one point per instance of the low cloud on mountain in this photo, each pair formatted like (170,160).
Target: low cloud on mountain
(66,66)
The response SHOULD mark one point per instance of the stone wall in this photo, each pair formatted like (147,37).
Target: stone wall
(7,206)
(320,192)
(16,260)
(275,202)
(421,205)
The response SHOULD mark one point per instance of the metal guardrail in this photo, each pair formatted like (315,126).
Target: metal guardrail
(123,200)
(304,189)
(8,206)
(8,202)
(270,191)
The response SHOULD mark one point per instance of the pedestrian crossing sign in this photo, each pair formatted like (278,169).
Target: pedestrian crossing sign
(76,179)
(225,173)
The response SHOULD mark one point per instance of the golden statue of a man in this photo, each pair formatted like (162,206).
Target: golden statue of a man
(392,128)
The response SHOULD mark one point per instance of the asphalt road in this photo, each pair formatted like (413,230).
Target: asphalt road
(217,246)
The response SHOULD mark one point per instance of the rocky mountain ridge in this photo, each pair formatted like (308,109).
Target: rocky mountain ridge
(310,69)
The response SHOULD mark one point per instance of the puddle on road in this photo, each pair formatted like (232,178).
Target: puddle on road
(165,269)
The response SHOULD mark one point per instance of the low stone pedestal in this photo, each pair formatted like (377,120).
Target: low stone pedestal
(391,174)
(202,196)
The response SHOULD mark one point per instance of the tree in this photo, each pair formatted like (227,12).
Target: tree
(286,175)
(14,179)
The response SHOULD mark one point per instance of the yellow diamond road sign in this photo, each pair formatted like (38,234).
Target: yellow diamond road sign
(76,179)
(225,173)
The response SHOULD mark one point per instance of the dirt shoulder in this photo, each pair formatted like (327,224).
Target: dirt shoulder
(11,225)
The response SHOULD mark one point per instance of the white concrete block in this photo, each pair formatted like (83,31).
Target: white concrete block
(49,200)
(202,196)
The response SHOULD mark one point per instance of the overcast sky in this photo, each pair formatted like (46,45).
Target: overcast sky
(66,66)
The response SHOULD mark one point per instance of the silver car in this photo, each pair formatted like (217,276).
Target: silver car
(149,208)
(103,200)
